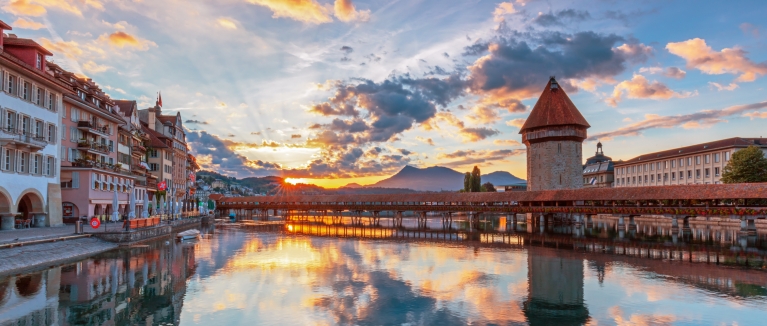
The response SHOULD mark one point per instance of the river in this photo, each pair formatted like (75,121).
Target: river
(308,275)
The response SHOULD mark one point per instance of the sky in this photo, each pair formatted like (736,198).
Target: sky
(332,92)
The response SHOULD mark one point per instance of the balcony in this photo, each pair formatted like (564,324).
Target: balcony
(83,163)
(93,127)
(19,138)
(94,147)
(139,148)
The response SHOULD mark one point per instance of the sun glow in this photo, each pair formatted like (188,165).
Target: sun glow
(295,180)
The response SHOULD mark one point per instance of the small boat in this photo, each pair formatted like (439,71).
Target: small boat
(188,235)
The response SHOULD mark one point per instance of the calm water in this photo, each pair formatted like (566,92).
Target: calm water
(243,277)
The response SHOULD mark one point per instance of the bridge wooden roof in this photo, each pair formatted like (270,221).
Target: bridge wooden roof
(687,192)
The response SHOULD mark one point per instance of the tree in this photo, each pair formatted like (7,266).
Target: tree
(746,166)
(488,187)
(467,182)
(476,180)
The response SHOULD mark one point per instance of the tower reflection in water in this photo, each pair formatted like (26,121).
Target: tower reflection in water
(555,289)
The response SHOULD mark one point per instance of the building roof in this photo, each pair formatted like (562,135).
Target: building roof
(5,26)
(704,147)
(598,167)
(554,108)
(686,192)
(154,140)
(25,42)
(126,106)
(599,156)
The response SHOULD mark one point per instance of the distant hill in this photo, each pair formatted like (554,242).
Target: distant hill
(352,186)
(439,178)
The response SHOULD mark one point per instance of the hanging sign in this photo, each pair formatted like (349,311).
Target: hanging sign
(162,186)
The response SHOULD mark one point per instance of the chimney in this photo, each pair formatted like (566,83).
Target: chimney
(151,118)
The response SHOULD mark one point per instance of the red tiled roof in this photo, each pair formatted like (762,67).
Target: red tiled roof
(705,147)
(126,106)
(554,108)
(154,139)
(5,26)
(25,42)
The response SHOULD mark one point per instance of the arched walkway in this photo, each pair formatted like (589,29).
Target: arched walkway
(32,207)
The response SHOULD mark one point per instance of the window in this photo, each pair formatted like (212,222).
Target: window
(658,178)
(10,120)
(152,166)
(559,148)
(716,158)
(697,160)
(673,163)
(645,167)
(673,175)
(634,180)
(52,103)
(40,96)
(39,63)
(716,172)
(7,159)
(681,162)
(708,158)
(697,174)
(708,173)
(645,179)
(23,160)
(36,164)
(81,94)
(25,91)
(665,176)
(689,161)
(25,124)
(681,175)
(111,146)
(153,153)
(652,178)
(74,114)
(652,167)
(49,163)
(38,128)
(689,174)
(726,156)
(51,133)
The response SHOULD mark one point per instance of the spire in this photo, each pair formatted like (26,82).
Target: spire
(554,108)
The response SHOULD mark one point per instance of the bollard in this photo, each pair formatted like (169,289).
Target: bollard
(78,227)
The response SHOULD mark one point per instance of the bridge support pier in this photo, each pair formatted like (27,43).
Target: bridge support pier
(421,216)
(398,219)
(337,217)
(447,220)
(375,218)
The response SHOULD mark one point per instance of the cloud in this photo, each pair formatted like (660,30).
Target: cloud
(38,8)
(756,115)
(477,134)
(196,122)
(427,141)
(516,123)
(70,49)
(728,61)
(122,39)
(516,67)
(226,22)
(94,68)
(295,136)
(671,72)
(307,11)
(503,9)
(561,18)
(467,157)
(345,11)
(702,118)
(24,8)
(506,142)
(224,159)
(483,115)
(405,151)
(27,24)
(750,29)
(347,49)
(720,87)
(640,88)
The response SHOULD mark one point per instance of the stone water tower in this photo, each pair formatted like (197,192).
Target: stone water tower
(554,134)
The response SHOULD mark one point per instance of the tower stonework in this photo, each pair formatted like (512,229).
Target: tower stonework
(554,134)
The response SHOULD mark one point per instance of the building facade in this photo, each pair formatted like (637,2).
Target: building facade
(91,170)
(598,172)
(553,134)
(30,102)
(696,164)
(136,142)
(170,159)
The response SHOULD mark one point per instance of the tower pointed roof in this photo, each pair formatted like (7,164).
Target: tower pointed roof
(554,108)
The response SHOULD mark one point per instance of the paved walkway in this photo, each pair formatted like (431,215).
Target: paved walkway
(19,259)
(9,236)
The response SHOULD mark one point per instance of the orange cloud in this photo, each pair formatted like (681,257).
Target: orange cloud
(516,123)
(639,87)
(345,11)
(720,87)
(228,23)
(506,142)
(27,24)
(308,11)
(756,115)
(728,61)
(69,49)
(122,39)
(24,8)
(503,8)
(483,115)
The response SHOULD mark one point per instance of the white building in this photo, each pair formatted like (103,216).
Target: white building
(30,101)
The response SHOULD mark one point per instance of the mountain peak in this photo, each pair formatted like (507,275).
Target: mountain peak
(437,178)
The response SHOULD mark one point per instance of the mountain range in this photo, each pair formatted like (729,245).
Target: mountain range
(438,178)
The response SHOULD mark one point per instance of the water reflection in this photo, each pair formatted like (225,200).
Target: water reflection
(244,277)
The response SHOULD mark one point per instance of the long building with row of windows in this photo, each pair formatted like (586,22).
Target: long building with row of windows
(66,147)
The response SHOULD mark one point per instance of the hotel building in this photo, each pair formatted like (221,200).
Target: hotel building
(30,101)
(697,164)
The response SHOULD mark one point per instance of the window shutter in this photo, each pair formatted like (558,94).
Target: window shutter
(76,180)
(93,181)
(2,158)
(72,134)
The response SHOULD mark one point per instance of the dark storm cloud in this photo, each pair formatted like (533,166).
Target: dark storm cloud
(561,18)
(405,151)
(224,158)
(347,49)
(196,122)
